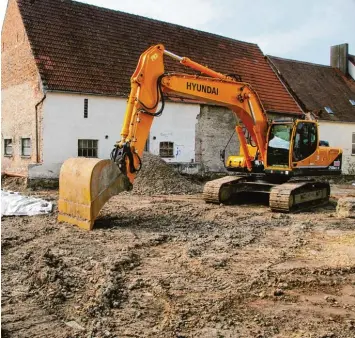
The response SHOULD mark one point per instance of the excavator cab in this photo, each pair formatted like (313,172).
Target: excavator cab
(293,149)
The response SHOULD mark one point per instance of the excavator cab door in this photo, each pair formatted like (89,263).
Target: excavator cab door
(305,141)
(279,145)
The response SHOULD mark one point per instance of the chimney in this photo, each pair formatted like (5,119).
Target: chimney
(339,57)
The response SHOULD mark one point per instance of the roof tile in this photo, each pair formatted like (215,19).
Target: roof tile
(84,48)
(319,86)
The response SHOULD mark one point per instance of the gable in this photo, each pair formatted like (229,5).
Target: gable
(17,63)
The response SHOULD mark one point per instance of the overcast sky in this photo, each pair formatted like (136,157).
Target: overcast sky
(302,30)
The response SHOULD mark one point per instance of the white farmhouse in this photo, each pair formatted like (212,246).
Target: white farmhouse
(66,70)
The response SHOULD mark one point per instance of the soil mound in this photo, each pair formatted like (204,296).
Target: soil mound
(10,183)
(158,178)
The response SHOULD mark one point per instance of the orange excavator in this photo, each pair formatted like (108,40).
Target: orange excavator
(274,155)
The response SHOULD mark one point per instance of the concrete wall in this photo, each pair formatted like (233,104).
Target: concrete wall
(215,127)
(20,91)
(64,124)
(340,135)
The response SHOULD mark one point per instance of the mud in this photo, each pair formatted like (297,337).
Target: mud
(173,266)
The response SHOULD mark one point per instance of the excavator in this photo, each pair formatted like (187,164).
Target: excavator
(276,157)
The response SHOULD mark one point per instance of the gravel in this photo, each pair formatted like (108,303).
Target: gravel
(158,178)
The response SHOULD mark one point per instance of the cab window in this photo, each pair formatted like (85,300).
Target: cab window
(279,145)
(305,142)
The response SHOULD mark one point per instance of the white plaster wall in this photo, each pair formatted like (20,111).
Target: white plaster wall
(177,124)
(351,69)
(340,135)
(64,124)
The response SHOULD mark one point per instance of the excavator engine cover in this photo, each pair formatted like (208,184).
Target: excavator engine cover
(85,184)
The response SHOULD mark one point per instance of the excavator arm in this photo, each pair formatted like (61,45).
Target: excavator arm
(149,83)
(86,184)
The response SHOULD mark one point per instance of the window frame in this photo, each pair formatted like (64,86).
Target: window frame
(5,146)
(23,147)
(168,148)
(303,145)
(329,110)
(85,146)
(353,144)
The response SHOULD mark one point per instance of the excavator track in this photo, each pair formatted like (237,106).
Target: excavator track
(298,196)
(221,189)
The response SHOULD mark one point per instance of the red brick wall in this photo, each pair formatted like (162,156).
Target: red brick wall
(21,90)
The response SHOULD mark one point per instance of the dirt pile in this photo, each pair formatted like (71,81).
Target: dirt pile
(10,183)
(158,178)
(346,207)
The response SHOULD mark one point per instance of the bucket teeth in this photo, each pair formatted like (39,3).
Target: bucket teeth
(85,185)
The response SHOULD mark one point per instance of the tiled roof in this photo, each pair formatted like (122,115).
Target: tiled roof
(318,86)
(84,48)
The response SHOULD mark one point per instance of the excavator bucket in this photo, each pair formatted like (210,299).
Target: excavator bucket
(85,185)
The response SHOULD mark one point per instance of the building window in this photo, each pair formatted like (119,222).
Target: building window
(87,148)
(328,110)
(166,149)
(86,108)
(8,147)
(353,145)
(26,148)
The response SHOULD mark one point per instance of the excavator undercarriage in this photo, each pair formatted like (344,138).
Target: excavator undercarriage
(292,196)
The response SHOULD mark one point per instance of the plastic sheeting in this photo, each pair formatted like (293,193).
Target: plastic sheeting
(15,204)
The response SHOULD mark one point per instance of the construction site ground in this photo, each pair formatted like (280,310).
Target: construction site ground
(174,266)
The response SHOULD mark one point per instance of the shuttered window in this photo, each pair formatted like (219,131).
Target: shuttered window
(86,108)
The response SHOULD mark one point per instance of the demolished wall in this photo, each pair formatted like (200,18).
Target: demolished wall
(214,128)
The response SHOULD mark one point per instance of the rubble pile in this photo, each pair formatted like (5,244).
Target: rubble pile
(158,178)
(346,207)
(11,183)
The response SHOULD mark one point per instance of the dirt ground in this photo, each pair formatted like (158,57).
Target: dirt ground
(173,266)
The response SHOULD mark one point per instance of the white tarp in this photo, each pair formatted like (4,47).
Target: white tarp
(15,204)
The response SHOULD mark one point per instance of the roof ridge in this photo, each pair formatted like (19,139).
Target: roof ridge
(298,61)
(156,20)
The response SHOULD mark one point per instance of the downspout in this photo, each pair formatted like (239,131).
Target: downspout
(37,131)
